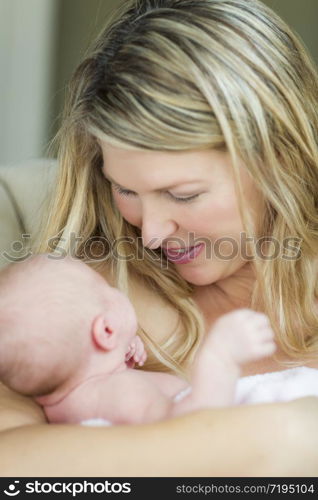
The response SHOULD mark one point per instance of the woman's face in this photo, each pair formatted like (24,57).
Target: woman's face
(181,199)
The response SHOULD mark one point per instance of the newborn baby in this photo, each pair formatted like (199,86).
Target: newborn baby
(69,339)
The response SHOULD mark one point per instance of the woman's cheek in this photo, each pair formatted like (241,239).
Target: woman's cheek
(128,209)
(212,218)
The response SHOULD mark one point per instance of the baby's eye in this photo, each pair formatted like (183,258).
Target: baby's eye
(125,192)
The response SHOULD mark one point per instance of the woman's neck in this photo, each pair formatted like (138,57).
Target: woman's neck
(224,296)
(237,289)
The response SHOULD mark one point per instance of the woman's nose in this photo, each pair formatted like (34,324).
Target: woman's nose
(156,228)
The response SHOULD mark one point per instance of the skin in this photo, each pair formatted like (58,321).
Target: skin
(76,451)
(163,221)
(279,439)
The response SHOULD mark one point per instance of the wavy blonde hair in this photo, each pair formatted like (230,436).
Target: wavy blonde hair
(196,74)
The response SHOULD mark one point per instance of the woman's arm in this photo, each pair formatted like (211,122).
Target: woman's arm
(17,410)
(258,440)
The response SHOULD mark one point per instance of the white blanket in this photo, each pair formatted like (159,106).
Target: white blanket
(272,387)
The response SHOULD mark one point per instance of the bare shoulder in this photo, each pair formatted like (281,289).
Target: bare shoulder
(155,314)
(17,410)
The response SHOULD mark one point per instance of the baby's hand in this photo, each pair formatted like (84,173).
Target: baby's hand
(136,353)
(244,334)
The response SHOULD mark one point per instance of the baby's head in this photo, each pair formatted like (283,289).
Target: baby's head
(54,313)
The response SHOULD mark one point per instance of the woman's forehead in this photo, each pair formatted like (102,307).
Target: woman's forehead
(154,166)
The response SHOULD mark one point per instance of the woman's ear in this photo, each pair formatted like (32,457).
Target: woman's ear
(103,334)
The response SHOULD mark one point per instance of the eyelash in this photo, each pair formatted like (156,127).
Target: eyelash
(124,192)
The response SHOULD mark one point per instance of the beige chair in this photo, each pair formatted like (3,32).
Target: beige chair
(24,190)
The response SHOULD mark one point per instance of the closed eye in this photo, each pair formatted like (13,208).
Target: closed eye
(125,192)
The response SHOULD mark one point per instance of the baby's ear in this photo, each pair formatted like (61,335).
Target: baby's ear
(103,334)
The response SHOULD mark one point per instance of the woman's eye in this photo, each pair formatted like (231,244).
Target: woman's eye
(125,192)
(183,200)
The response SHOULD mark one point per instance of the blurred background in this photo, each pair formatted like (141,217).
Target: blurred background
(41,43)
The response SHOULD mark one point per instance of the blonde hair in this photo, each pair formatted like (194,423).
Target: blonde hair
(175,75)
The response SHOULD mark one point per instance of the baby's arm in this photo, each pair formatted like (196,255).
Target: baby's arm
(236,338)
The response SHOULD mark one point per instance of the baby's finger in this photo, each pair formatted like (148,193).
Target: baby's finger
(132,351)
(139,349)
(143,358)
(128,356)
(128,353)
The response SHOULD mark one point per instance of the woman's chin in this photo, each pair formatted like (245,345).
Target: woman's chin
(198,276)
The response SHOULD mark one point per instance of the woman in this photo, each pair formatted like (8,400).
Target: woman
(190,122)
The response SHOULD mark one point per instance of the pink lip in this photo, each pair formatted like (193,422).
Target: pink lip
(189,256)
(176,250)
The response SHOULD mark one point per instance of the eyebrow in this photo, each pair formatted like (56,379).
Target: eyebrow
(155,190)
